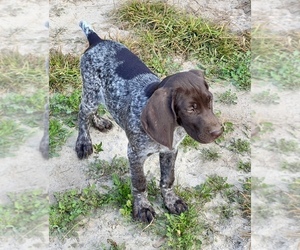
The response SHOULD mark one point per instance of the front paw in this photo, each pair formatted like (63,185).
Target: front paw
(174,204)
(142,210)
(84,147)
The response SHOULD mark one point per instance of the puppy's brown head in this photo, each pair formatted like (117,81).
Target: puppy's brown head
(182,99)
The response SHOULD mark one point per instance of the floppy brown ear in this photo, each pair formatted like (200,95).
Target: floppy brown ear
(158,117)
(197,72)
(200,74)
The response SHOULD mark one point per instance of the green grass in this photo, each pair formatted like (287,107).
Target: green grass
(284,146)
(71,205)
(65,89)
(25,215)
(189,143)
(265,97)
(12,135)
(22,74)
(209,189)
(293,167)
(23,88)
(276,58)
(228,128)
(58,135)
(244,166)
(183,231)
(240,146)
(165,31)
(28,109)
(101,168)
(293,197)
(66,107)
(210,154)
(227,97)
(64,73)
(121,194)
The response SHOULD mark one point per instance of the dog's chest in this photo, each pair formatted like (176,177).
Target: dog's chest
(179,135)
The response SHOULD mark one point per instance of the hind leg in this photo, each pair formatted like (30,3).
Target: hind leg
(87,113)
(84,146)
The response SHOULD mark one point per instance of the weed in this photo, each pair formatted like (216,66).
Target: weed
(227,97)
(284,146)
(66,107)
(19,73)
(165,31)
(266,127)
(225,212)
(265,97)
(70,206)
(244,198)
(294,197)
(115,246)
(210,154)
(262,212)
(189,142)
(64,73)
(228,128)
(239,146)
(100,168)
(26,108)
(24,215)
(153,189)
(183,230)
(57,136)
(211,187)
(272,60)
(259,184)
(12,135)
(293,167)
(97,148)
(244,166)
(121,194)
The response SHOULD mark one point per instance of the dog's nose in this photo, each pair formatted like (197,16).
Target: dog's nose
(216,133)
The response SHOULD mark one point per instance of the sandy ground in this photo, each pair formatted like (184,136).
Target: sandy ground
(27,170)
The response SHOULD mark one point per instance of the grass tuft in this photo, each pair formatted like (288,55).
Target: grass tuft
(12,135)
(165,31)
(183,230)
(227,97)
(276,58)
(20,73)
(25,214)
(71,205)
(58,135)
(210,154)
(64,74)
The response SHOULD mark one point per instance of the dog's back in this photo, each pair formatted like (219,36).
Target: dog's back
(118,74)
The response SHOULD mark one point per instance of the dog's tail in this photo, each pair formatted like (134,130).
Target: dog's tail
(91,35)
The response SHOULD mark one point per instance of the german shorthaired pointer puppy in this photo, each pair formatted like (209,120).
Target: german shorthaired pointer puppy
(154,114)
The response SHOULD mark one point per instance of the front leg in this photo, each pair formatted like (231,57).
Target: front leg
(173,203)
(142,209)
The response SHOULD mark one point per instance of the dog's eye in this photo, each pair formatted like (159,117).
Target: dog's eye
(192,108)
